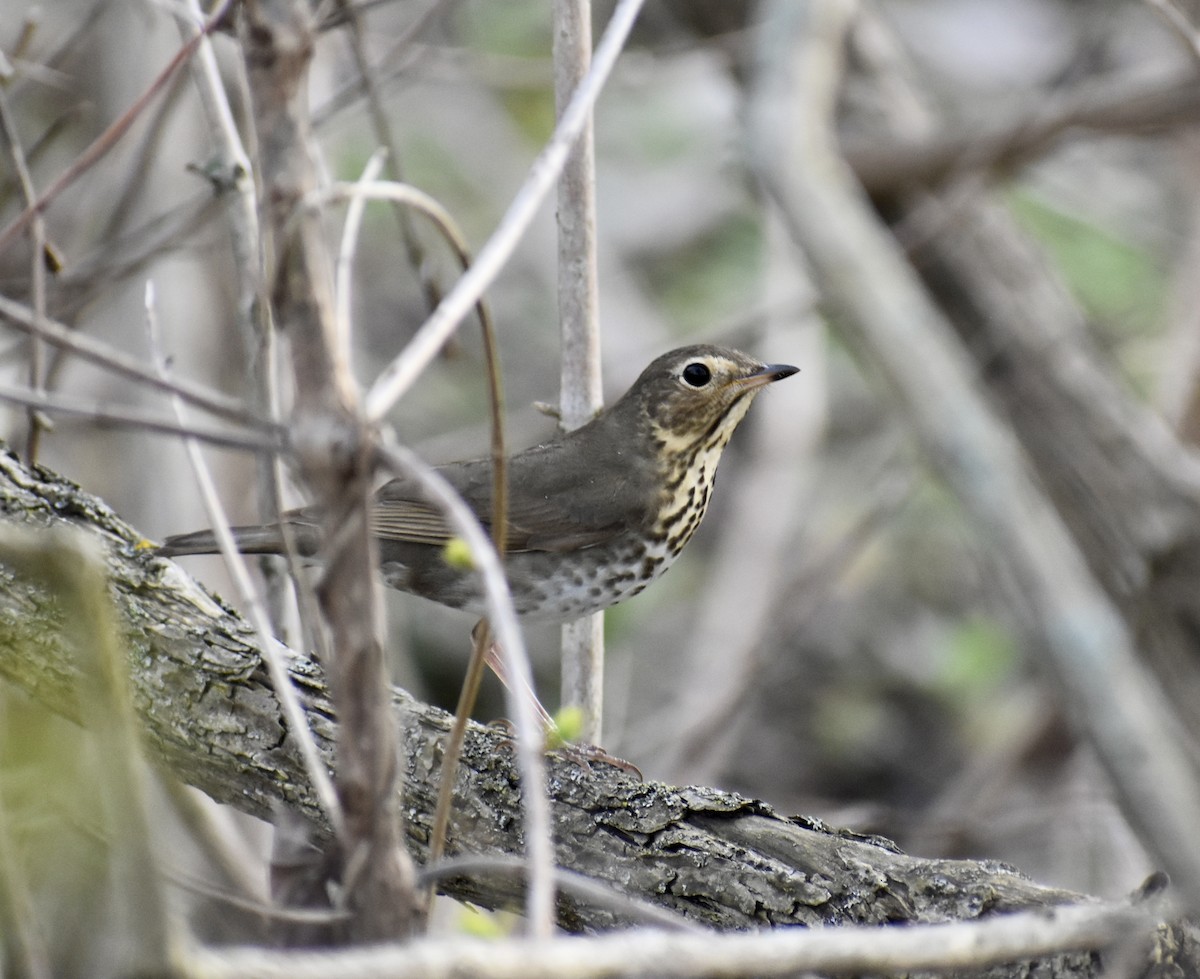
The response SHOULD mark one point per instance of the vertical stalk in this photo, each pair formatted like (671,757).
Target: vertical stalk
(578,308)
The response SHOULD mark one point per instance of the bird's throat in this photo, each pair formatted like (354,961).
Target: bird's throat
(688,477)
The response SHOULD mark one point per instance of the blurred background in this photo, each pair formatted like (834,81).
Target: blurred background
(835,640)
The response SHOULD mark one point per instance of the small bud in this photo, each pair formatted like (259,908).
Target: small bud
(457,554)
(568,727)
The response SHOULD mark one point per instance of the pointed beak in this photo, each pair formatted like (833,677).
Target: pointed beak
(766,375)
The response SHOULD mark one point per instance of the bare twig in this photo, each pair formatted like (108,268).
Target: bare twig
(336,454)
(343,290)
(100,353)
(481,638)
(503,620)
(576,885)
(1118,105)
(314,764)
(37,373)
(789,951)
(404,194)
(241,206)
(399,375)
(112,135)
(102,414)
(414,251)
(210,828)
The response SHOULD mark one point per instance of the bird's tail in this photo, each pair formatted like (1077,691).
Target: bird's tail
(263,539)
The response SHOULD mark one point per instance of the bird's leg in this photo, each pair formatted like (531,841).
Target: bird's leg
(582,754)
(495,660)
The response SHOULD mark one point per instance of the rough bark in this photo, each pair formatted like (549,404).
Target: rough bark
(212,720)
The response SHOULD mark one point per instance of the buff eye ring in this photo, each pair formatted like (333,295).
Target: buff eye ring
(697,374)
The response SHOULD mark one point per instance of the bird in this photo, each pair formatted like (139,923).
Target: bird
(594,515)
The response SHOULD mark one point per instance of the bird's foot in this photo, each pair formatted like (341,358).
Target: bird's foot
(576,752)
(588,755)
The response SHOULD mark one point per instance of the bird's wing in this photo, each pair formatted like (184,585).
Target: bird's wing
(550,508)
(410,521)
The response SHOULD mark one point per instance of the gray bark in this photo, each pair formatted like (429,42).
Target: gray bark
(211,720)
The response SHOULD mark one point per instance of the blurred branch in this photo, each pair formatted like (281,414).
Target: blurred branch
(414,251)
(399,57)
(888,163)
(112,135)
(93,272)
(1176,17)
(40,257)
(581,395)
(69,568)
(905,338)
(28,950)
(1126,486)
(964,948)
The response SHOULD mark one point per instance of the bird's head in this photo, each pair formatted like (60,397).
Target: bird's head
(696,395)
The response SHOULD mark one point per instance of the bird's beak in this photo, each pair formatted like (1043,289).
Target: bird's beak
(766,375)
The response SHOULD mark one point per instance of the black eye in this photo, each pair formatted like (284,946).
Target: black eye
(697,375)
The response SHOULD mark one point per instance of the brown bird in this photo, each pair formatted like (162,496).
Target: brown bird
(594,515)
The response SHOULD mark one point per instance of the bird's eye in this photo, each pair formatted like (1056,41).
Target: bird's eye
(697,375)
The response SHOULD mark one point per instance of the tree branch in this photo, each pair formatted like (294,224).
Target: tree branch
(212,720)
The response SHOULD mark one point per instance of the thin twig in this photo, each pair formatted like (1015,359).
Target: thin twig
(253,326)
(414,251)
(503,620)
(314,765)
(585,889)
(100,353)
(103,414)
(37,374)
(214,837)
(343,270)
(112,135)
(399,375)
(481,636)
(389,63)
(359,192)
